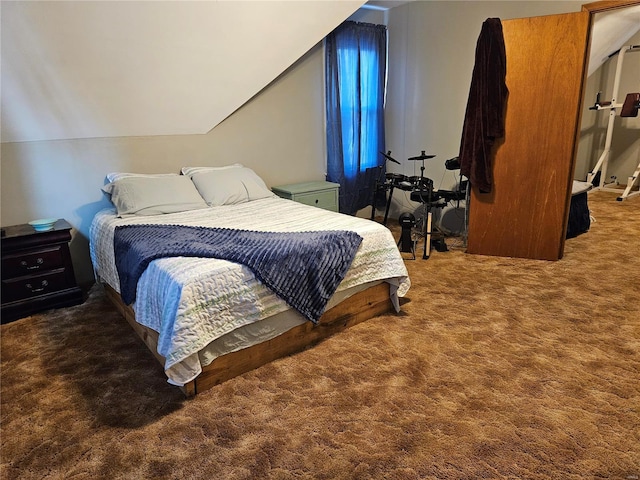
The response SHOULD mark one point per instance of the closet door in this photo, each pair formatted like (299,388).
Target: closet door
(526,213)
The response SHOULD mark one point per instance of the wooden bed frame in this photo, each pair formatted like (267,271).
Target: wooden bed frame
(355,309)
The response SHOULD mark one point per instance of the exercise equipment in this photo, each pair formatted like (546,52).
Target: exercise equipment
(629,108)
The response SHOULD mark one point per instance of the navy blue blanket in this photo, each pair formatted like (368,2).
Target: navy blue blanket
(302,268)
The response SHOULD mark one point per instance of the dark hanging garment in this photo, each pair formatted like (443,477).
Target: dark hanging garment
(484,117)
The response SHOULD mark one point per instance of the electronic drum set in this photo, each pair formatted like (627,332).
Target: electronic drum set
(421,190)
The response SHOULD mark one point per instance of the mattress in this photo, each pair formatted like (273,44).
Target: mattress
(203,308)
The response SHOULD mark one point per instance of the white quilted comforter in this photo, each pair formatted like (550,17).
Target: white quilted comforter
(192,301)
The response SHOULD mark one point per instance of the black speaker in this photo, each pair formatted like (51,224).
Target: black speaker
(407,222)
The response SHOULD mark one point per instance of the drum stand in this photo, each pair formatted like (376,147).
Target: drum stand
(383,186)
(378,187)
(427,221)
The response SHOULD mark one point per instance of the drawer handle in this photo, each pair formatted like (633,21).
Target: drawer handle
(39,261)
(43,284)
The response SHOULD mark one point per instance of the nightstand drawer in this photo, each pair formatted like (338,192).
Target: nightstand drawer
(34,285)
(326,200)
(20,264)
(317,194)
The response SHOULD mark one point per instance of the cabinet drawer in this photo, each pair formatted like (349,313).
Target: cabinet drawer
(34,285)
(326,200)
(20,263)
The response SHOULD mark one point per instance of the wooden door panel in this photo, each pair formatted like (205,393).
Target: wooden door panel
(526,213)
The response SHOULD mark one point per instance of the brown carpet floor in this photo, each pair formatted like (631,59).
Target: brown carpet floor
(497,368)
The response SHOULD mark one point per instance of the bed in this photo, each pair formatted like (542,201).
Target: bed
(210,319)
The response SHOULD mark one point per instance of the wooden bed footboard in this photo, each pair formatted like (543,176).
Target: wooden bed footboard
(355,309)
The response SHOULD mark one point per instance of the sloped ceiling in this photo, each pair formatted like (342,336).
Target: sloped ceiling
(78,69)
(611,31)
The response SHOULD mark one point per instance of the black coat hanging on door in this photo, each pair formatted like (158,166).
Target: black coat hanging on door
(485,113)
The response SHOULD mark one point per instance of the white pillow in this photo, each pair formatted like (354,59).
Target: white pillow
(230,186)
(153,195)
(113,176)
(190,171)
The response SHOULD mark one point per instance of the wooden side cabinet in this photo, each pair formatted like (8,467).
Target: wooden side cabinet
(317,194)
(37,273)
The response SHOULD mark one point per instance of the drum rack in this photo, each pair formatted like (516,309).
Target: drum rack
(421,191)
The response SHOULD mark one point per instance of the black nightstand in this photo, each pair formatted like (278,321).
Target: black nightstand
(37,273)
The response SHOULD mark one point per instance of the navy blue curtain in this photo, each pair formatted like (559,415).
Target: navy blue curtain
(356,64)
